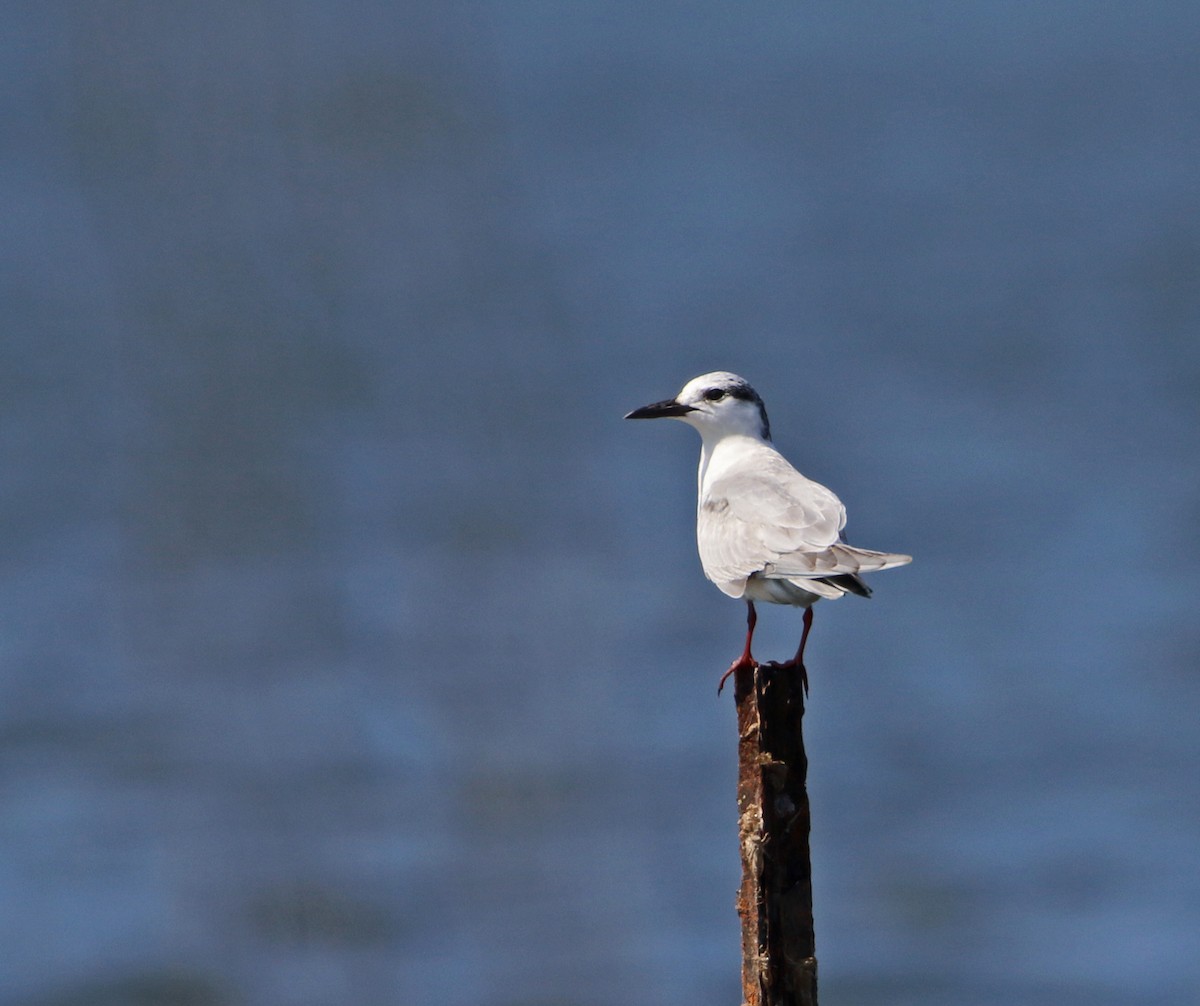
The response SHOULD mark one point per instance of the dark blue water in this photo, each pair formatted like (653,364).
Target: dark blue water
(355,651)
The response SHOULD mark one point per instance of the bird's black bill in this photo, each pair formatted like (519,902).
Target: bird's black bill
(670,409)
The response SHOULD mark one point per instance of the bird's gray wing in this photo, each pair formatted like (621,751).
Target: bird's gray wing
(834,561)
(753,519)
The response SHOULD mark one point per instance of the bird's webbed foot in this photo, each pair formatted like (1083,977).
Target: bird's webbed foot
(743,663)
(792,665)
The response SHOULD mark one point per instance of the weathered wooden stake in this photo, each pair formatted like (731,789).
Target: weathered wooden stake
(779,964)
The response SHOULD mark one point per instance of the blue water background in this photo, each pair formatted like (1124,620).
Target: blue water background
(355,651)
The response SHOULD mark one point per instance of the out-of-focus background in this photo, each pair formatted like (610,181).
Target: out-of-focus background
(355,651)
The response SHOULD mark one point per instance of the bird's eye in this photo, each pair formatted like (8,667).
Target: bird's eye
(714,394)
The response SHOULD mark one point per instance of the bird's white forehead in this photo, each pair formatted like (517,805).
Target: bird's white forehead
(717,379)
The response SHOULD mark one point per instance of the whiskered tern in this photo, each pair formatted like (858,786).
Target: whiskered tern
(764,531)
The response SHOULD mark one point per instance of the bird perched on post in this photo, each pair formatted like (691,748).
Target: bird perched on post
(764,531)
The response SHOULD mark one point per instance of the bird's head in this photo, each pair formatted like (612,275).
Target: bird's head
(718,405)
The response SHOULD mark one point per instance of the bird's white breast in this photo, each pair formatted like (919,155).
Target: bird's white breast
(727,456)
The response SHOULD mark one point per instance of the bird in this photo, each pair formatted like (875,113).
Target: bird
(764,531)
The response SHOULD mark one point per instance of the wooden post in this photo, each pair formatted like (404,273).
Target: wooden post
(779,964)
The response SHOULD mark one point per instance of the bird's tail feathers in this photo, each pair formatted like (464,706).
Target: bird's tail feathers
(837,560)
(867,560)
(850,583)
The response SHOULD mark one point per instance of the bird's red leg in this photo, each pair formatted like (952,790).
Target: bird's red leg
(745,661)
(797,662)
(799,658)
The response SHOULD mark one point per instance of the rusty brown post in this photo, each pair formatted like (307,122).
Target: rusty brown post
(779,964)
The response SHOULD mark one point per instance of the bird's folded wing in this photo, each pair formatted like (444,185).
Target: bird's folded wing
(748,520)
(838,558)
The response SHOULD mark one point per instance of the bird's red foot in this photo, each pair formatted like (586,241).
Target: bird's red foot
(743,663)
(791,665)
(797,662)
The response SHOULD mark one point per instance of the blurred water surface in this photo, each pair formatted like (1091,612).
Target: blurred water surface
(355,651)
